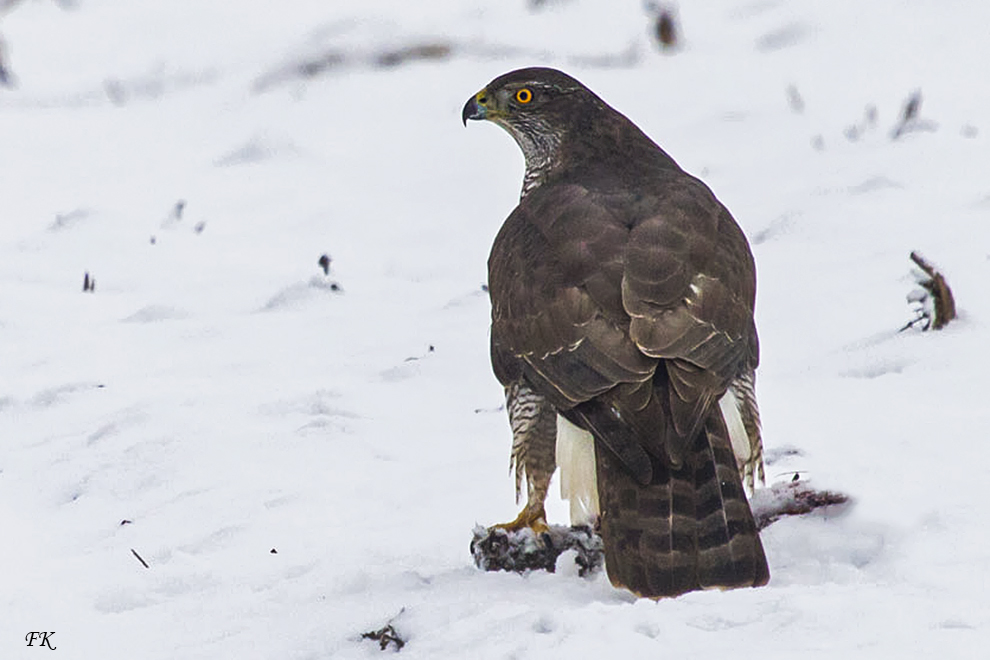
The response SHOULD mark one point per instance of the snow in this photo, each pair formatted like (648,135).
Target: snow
(215,399)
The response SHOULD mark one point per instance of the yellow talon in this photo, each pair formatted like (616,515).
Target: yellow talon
(535,518)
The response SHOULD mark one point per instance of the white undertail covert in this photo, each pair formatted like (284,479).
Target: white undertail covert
(578,476)
(576,460)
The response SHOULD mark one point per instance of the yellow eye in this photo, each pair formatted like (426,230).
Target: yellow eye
(524,95)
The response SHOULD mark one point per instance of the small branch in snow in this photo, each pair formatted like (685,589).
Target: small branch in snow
(324,263)
(174,216)
(387,635)
(665,28)
(139,558)
(910,120)
(791,498)
(934,305)
(430,349)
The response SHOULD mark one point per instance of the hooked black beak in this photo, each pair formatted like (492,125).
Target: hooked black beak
(475,107)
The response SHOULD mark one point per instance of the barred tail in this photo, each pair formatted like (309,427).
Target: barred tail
(689,529)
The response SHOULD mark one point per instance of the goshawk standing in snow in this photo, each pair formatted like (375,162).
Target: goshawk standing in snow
(622,319)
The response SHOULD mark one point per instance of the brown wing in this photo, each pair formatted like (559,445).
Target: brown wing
(689,286)
(629,312)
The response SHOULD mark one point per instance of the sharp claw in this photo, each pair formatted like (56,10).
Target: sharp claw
(534,519)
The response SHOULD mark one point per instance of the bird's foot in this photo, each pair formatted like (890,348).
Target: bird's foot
(535,518)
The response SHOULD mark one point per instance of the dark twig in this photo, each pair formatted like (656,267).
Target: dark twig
(665,28)
(942,309)
(139,558)
(387,635)
(793,498)
(324,263)
(910,119)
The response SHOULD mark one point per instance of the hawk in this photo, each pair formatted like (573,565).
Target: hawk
(622,297)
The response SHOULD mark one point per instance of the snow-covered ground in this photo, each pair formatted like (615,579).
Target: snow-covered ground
(300,457)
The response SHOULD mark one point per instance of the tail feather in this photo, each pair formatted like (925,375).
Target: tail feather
(730,553)
(689,529)
(648,531)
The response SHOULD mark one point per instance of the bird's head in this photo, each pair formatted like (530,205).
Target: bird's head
(537,106)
